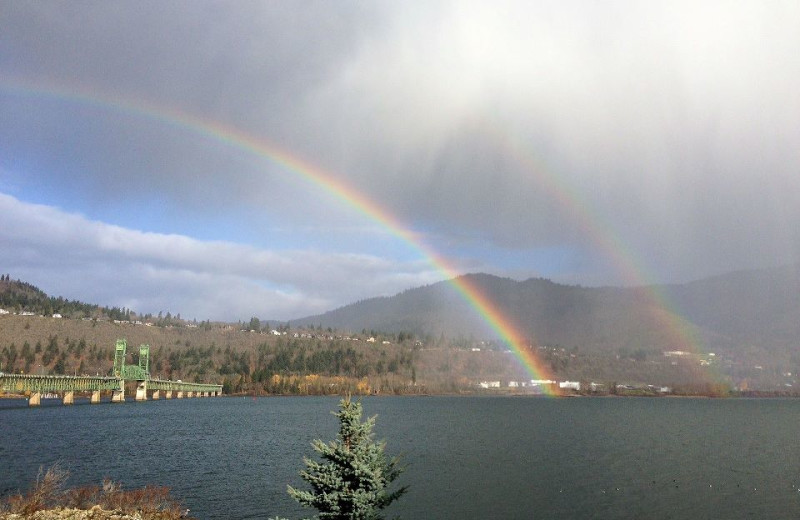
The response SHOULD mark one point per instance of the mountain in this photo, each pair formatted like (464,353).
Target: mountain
(759,307)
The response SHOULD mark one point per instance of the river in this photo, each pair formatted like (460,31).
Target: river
(465,457)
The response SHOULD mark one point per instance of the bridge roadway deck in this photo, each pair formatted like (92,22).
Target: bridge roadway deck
(21,383)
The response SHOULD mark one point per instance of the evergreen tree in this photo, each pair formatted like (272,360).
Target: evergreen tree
(352,480)
(255,324)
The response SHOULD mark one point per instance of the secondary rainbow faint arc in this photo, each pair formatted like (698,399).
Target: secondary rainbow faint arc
(319,177)
(603,235)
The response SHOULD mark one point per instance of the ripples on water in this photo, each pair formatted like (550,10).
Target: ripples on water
(466,457)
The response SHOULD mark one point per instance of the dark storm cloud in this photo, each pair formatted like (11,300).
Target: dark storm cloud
(670,127)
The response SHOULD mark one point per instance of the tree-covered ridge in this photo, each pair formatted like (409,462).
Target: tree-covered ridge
(18,296)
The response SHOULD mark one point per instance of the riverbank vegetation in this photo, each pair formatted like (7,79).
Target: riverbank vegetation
(49,497)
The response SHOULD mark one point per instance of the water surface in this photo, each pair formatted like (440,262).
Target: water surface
(466,457)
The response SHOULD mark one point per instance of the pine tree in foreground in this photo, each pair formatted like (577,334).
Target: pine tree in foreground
(352,480)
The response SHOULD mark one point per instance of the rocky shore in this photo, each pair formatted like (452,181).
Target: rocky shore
(95,513)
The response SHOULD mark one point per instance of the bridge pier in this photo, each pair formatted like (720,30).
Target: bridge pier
(168,394)
(35,399)
(69,397)
(156,395)
(118,396)
(141,391)
(95,397)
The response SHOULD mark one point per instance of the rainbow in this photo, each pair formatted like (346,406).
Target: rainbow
(336,187)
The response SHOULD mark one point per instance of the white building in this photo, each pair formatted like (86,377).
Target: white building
(570,385)
(676,353)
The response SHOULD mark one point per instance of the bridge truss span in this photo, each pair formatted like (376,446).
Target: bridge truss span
(36,385)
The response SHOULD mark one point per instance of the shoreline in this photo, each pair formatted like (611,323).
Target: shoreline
(749,395)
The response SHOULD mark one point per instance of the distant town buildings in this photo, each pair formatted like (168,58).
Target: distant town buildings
(570,385)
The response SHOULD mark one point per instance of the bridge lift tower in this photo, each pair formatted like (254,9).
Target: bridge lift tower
(140,373)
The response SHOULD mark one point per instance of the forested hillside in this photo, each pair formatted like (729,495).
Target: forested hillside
(740,329)
(754,309)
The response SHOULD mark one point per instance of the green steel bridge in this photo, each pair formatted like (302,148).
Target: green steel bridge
(66,386)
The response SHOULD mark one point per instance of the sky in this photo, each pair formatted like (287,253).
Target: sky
(208,158)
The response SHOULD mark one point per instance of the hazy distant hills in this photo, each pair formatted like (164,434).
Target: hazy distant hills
(759,308)
(747,311)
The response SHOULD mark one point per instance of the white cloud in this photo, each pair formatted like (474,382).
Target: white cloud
(69,255)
